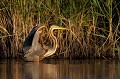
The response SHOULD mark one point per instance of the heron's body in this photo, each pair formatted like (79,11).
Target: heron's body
(38,50)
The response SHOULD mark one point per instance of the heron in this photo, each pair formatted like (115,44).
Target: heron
(38,51)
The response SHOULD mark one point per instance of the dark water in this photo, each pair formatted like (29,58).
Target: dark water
(60,69)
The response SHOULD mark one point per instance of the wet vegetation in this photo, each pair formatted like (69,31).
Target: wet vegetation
(94,26)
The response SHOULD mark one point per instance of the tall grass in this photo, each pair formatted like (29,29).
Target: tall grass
(94,26)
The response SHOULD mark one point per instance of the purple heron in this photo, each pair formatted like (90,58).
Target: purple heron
(36,50)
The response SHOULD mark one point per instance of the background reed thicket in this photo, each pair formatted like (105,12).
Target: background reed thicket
(94,26)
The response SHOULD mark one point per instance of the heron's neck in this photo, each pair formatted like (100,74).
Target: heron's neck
(54,39)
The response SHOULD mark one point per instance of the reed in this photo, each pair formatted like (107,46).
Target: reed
(94,26)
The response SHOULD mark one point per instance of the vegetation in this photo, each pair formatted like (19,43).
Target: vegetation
(94,26)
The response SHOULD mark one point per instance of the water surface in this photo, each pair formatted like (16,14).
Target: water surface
(60,69)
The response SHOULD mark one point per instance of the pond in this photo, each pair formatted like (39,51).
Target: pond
(60,69)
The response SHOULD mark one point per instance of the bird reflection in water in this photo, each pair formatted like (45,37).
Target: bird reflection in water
(33,46)
(39,70)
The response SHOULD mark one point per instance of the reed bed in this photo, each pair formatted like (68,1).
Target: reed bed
(93,26)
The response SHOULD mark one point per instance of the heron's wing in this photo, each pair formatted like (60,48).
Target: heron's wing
(28,41)
(25,49)
(37,48)
(35,41)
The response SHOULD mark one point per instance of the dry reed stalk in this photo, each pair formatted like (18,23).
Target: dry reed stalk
(88,21)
